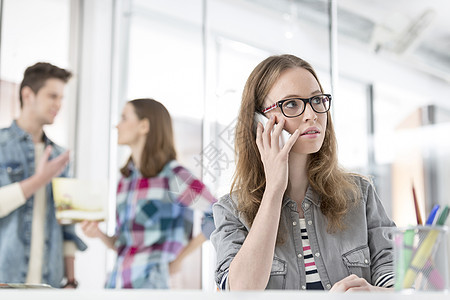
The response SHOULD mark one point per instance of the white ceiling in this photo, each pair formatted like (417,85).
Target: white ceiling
(412,32)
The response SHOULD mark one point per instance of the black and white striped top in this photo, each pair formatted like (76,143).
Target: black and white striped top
(312,275)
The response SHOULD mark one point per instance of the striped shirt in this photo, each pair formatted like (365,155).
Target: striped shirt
(387,280)
(312,276)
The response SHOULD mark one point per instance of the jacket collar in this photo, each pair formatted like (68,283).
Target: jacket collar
(310,196)
(17,131)
(21,134)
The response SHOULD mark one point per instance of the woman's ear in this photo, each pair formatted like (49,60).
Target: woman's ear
(144,126)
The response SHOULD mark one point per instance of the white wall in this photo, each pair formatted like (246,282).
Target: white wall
(94,125)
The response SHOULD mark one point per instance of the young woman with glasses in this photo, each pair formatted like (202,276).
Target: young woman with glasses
(155,196)
(294,219)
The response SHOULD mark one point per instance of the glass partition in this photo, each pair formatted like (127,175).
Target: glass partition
(41,32)
(195,58)
(390,94)
(404,106)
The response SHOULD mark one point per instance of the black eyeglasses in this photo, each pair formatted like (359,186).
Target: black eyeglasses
(294,107)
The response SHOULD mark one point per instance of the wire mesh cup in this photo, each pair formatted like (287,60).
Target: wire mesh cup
(421,258)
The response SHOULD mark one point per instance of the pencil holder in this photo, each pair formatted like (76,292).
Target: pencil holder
(421,258)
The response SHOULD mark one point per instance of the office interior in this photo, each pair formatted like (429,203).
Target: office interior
(387,64)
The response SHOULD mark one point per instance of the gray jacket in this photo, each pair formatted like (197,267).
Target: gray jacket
(363,249)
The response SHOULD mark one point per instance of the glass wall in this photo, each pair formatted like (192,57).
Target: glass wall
(165,61)
(396,117)
(41,32)
(195,57)
(390,114)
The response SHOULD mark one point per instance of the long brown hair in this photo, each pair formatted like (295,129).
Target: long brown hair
(331,182)
(159,146)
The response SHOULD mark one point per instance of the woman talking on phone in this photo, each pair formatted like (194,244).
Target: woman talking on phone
(154,196)
(294,219)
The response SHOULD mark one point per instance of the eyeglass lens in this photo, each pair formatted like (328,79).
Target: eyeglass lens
(294,107)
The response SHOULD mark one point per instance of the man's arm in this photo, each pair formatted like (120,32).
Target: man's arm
(45,171)
(11,198)
(14,195)
(69,264)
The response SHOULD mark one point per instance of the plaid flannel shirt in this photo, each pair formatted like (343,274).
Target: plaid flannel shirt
(154,223)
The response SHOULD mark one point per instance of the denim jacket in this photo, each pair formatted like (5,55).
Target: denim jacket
(364,248)
(17,162)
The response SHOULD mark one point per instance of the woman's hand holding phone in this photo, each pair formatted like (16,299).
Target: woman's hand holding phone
(274,157)
(263,120)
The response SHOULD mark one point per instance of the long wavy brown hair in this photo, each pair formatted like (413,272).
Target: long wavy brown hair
(159,146)
(325,176)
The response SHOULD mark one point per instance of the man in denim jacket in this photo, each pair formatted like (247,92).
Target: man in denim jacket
(34,248)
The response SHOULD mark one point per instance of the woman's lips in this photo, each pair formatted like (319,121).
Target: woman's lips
(311,132)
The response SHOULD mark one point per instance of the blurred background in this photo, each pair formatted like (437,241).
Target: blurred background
(387,64)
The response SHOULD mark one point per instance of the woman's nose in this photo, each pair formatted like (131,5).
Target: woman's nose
(309,113)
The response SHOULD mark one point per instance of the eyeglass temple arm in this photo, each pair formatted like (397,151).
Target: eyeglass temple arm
(269,108)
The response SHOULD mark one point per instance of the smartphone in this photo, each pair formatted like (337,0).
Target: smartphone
(284,136)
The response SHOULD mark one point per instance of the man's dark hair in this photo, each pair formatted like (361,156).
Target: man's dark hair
(36,75)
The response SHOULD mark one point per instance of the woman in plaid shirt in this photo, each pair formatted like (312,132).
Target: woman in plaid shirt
(155,198)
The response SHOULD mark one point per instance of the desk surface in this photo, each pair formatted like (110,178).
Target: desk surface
(11,294)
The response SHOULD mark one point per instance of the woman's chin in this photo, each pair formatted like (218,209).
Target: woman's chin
(305,149)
